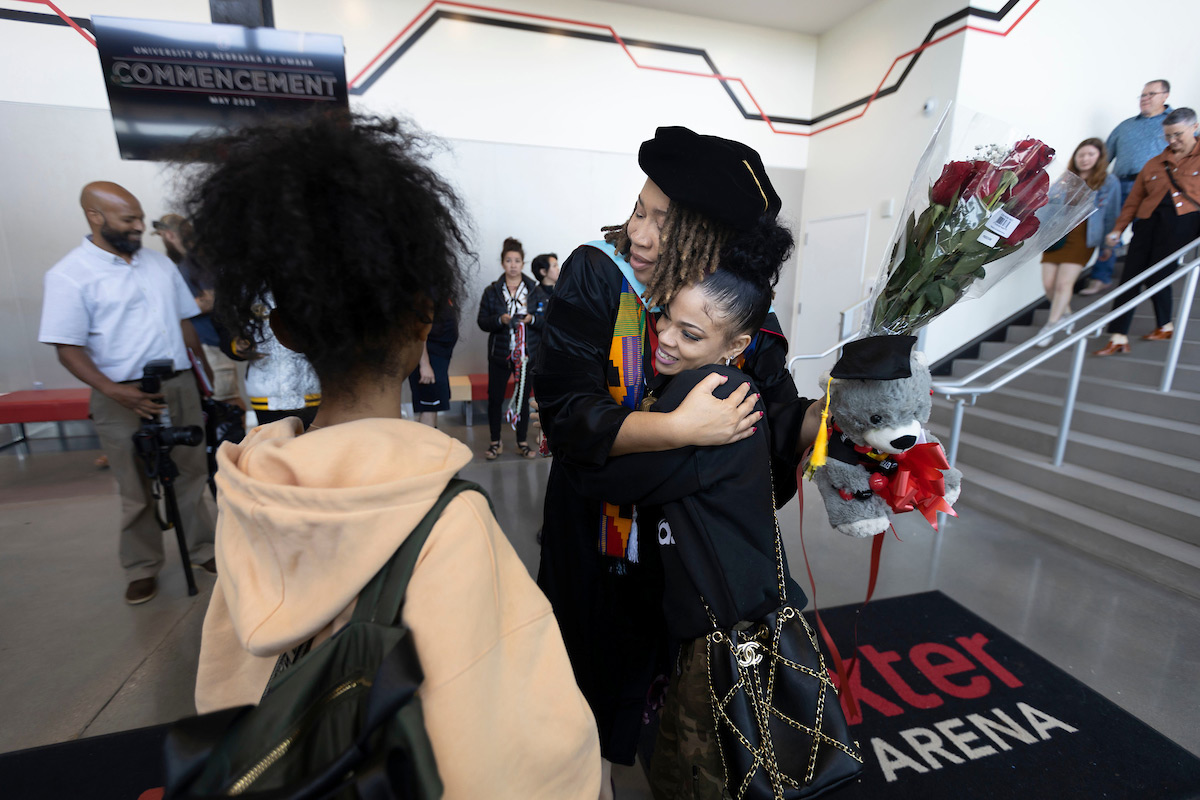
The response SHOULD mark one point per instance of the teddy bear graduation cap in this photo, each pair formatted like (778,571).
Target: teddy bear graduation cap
(873,456)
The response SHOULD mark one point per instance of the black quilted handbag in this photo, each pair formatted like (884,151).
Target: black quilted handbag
(780,726)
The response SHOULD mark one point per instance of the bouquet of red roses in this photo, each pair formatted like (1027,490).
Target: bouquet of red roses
(979,213)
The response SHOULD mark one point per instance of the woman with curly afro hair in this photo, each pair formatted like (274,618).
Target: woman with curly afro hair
(357,241)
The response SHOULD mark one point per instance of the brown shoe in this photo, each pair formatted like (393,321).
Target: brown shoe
(141,591)
(1159,335)
(1112,348)
(209,566)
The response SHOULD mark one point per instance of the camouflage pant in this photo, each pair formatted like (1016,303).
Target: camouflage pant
(687,762)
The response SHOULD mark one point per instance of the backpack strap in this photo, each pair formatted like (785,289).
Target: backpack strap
(382,598)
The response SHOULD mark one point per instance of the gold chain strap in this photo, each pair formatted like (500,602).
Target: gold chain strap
(779,547)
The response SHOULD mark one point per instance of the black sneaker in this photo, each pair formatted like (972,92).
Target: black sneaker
(141,591)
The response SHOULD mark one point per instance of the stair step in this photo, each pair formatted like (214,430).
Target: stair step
(1139,550)
(1128,427)
(1129,369)
(1019,334)
(1141,465)
(1141,325)
(1143,316)
(1189,354)
(1162,511)
(1079,302)
(1175,405)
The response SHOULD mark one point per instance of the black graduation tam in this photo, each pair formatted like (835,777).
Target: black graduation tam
(720,178)
(876,358)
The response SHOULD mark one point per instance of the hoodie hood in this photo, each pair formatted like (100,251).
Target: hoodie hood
(307,519)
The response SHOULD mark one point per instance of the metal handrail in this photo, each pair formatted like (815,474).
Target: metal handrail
(847,335)
(847,314)
(1189,272)
(830,351)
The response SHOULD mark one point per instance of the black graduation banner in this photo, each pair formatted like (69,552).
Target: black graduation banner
(168,81)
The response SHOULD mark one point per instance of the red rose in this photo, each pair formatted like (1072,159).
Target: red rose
(1030,194)
(1027,228)
(954,176)
(1028,156)
(983,180)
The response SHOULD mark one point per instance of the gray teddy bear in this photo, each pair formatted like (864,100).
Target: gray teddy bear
(878,448)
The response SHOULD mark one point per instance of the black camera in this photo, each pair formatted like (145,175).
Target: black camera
(157,436)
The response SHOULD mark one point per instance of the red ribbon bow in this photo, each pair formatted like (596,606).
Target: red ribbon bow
(918,483)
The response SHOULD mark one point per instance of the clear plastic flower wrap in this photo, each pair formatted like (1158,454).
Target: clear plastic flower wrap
(970,220)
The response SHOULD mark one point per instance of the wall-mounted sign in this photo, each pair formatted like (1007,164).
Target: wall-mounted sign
(168,81)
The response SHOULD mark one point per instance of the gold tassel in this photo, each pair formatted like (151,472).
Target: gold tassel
(820,448)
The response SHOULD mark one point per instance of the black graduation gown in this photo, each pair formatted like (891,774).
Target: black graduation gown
(609,612)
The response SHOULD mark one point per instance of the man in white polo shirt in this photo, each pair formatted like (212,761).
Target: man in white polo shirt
(109,308)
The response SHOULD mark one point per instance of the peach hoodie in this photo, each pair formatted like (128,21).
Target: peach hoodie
(306,521)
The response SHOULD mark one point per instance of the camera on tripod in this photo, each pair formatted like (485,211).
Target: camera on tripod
(156,437)
(153,442)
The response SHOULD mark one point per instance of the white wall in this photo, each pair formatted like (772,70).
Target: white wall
(53,65)
(47,154)
(1070,70)
(542,131)
(864,163)
(471,81)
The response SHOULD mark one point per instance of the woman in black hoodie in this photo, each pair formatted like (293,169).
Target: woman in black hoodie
(509,312)
(707,513)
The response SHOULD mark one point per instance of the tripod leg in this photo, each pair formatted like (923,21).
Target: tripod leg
(177,523)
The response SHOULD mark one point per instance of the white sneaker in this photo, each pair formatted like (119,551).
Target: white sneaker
(1044,340)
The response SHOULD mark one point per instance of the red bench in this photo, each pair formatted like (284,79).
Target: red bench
(42,405)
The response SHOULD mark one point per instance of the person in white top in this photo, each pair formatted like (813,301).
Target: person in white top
(110,307)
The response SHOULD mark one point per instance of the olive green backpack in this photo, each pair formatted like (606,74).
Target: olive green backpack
(343,720)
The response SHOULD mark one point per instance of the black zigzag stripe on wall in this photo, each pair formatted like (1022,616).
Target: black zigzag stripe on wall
(44,19)
(552,30)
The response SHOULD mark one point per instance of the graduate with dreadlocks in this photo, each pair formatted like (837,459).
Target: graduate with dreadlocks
(704,199)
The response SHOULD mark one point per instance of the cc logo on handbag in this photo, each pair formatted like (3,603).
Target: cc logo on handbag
(747,654)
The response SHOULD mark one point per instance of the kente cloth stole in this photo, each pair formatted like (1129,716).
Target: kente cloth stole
(627,385)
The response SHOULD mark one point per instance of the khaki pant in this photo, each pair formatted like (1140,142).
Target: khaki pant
(225,374)
(141,548)
(687,758)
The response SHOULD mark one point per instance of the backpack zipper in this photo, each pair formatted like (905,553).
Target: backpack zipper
(277,752)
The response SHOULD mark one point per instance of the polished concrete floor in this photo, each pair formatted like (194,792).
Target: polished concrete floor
(77,661)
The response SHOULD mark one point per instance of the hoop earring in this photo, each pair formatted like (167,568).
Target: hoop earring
(728,359)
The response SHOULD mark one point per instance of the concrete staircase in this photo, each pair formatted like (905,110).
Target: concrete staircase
(1128,491)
